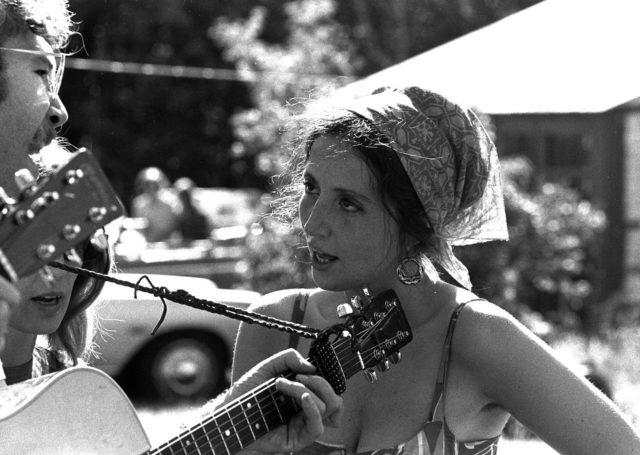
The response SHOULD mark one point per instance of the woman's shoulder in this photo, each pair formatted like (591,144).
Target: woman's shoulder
(279,302)
(485,334)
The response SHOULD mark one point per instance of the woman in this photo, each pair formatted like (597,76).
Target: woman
(385,185)
(52,327)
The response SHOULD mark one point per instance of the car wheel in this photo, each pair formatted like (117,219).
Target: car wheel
(185,368)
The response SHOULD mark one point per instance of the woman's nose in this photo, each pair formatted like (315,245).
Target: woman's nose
(58,114)
(313,221)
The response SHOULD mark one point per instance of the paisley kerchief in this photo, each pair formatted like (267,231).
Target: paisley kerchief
(451,162)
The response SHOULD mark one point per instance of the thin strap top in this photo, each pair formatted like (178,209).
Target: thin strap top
(435,437)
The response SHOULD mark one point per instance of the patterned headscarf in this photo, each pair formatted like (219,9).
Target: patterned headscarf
(451,162)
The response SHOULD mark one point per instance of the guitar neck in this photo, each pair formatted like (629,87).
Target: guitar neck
(235,426)
(253,415)
(238,424)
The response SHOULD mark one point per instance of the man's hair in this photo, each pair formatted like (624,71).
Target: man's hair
(50,19)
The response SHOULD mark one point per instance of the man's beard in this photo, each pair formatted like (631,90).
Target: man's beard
(43,137)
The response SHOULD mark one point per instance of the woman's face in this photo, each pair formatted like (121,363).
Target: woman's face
(45,298)
(352,239)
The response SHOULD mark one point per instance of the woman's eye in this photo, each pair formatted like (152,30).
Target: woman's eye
(308,186)
(348,205)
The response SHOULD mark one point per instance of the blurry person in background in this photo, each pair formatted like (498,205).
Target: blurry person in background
(156,203)
(193,224)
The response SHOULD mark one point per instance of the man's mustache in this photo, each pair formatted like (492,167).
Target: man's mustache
(44,136)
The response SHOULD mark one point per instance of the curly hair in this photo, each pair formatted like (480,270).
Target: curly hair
(50,19)
(393,185)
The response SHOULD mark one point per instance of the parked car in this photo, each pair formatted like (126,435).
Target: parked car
(189,356)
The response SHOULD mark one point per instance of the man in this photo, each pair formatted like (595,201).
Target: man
(32,34)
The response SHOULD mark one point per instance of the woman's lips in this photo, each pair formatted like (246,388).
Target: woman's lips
(320,258)
(48,299)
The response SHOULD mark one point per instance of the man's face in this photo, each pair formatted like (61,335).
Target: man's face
(30,113)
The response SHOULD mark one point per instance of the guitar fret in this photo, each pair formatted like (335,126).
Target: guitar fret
(206,435)
(237,413)
(196,438)
(247,406)
(275,403)
(222,437)
(266,423)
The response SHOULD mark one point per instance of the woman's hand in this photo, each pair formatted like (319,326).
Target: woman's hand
(319,404)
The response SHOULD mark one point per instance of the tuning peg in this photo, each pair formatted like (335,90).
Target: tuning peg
(371,375)
(366,292)
(73,175)
(356,303)
(395,358)
(383,366)
(5,200)
(96,214)
(25,180)
(344,310)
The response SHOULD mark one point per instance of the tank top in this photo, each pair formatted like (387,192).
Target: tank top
(435,437)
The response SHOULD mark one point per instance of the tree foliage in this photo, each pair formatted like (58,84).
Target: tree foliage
(545,269)
(543,273)
(312,57)
(187,126)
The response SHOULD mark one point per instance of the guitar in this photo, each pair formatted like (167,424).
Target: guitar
(54,214)
(104,420)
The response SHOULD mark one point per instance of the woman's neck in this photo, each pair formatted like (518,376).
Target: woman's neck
(18,348)
(421,302)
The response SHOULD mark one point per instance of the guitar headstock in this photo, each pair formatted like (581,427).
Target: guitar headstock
(54,214)
(371,337)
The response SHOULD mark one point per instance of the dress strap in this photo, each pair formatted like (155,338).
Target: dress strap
(297,316)
(438,391)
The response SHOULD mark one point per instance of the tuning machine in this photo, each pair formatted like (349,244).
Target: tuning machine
(370,375)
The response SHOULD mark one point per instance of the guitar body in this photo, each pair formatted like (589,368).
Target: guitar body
(80,410)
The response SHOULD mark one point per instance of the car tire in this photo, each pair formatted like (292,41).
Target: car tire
(183,367)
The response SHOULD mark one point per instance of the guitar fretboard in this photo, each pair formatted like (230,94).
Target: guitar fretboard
(235,426)
(251,416)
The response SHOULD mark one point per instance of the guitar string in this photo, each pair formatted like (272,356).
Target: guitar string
(246,433)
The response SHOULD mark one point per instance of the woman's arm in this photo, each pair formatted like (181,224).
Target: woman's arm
(520,373)
(254,342)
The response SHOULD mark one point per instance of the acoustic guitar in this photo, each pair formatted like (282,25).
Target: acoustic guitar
(83,411)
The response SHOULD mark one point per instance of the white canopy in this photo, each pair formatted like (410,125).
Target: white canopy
(556,56)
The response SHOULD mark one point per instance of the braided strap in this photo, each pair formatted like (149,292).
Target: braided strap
(185,298)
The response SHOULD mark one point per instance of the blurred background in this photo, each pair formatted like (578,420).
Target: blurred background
(199,90)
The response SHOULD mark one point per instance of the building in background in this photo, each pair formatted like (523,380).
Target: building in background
(561,81)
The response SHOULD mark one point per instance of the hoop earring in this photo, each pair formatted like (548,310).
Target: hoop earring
(409,271)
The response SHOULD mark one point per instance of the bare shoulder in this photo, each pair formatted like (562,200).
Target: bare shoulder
(278,303)
(485,332)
